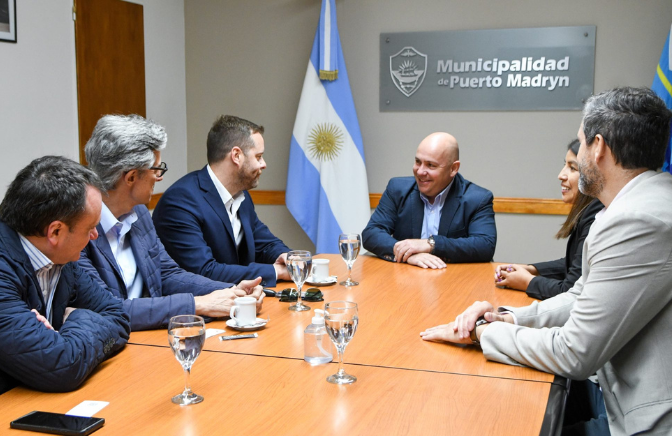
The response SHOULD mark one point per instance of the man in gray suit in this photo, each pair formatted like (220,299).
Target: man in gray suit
(617,318)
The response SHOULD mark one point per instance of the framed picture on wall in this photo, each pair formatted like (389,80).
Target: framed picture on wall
(8,20)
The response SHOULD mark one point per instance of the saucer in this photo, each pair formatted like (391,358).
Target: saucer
(261,323)
(331,280)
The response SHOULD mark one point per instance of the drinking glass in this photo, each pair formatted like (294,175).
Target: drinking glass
(349,244)
(186,336)
(340,320)
(299,265)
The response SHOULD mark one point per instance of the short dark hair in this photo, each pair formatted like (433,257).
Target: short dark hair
(50,188)
(228,132)
(634,122)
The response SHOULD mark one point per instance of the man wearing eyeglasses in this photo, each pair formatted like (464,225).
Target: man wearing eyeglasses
(129,259)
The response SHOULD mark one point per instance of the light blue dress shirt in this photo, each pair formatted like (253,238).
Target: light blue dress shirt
(116,231)
(47,272)
(432,216)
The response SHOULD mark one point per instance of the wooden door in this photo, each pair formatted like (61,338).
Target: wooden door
(110,46)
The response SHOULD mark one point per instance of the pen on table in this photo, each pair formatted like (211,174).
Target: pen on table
(232,337)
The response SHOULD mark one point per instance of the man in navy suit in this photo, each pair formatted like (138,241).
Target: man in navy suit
(207,220)
(128,258)
(436,217)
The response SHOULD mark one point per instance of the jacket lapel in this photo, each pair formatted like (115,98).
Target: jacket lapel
(418,213)
(211,196)
(104,247)
(451,205)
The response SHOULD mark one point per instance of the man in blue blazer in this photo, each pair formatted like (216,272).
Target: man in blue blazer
(56,324)
(128,258)
(435,217)
(207,220)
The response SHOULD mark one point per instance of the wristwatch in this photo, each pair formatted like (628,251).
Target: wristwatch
(432,244)
(472,334)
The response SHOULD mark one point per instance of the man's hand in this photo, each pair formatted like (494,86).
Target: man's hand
(280,266)
(42,319)
(217,303)
(426,260)
(443,333)
(252,289)
(408,247)
(465,322)
(515,276)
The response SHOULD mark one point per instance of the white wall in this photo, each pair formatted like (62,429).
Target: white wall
(38,90)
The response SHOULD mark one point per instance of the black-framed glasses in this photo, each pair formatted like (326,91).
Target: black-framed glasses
(162,168)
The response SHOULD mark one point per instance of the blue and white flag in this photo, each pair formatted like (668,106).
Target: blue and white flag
(327,190)
(662,85)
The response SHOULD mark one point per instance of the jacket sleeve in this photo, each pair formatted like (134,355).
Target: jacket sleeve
(377,236)
(144,313)
(479,244)
(179,228)
(59,361)
(267,246)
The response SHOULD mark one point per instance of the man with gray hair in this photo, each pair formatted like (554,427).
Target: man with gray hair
(56,324)
(617,318)
(207,220)
(129,259)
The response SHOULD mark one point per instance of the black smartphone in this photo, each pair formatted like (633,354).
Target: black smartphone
(56,423)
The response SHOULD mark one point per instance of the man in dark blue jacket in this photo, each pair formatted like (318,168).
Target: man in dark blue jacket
(129,259)
(207,220)
(56,324)
(436,217)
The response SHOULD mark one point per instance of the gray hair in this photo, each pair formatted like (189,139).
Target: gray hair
(634,122)
(121,143)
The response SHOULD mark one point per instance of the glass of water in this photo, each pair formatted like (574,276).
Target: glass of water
(341,319)
(349,245)
(299,265)
(186,336)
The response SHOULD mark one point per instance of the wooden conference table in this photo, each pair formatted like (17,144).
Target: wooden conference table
(263,386)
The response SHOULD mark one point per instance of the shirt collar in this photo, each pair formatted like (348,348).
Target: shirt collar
(440,198)
(223,192)
(124,223)
(38,259)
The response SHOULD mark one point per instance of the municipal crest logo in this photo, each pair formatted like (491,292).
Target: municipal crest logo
(408,68)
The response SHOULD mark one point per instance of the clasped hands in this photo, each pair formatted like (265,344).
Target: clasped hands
(218,303)
(417,252)
(459,331)
(515,276)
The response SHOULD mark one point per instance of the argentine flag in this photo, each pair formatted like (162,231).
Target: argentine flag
(662,85)
(327,190)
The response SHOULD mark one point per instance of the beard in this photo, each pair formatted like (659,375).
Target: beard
(591,181)
(248,178)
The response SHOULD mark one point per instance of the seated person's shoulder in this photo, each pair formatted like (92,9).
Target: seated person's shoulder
(475,190)
(400,184)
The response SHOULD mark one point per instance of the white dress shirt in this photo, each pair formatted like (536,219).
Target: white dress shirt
(232,205)
(116,231)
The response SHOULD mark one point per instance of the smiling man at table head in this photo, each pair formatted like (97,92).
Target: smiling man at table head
(207,219)
(435,217)
(129,259)
(617,318)
(49,213)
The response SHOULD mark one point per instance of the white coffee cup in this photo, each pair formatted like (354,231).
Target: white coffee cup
(246,310)
(320,270)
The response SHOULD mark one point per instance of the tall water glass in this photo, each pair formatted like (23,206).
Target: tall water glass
(186,336)
(349,244)
(341,319)
(299,265)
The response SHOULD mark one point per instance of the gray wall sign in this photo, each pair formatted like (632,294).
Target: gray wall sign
(549,68)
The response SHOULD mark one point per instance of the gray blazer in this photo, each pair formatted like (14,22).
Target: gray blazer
(616,320)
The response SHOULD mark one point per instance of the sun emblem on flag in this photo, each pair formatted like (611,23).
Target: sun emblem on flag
(325,141)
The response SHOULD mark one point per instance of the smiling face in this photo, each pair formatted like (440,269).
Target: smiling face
(436,164)
(569,178)
(253,165)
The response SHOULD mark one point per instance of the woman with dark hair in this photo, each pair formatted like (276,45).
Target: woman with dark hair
(547,279)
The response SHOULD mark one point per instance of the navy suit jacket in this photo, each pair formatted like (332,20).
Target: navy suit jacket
(192,222)
(167,289)
(467,231)
(53,360)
